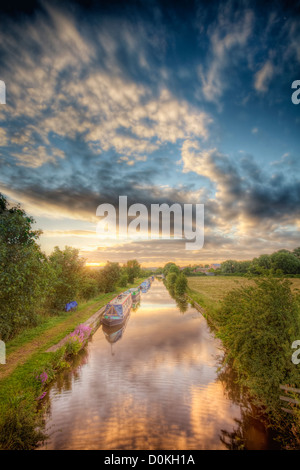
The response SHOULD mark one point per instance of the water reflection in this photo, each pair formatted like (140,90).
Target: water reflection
(159,390)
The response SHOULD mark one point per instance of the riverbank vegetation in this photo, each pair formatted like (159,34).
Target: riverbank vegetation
(34,289)
(257,320)
(34,286)
(21,394)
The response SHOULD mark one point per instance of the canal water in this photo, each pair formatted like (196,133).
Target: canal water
(154,384)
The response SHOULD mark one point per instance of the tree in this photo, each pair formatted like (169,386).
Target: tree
(88,286)
(187,271)
(123,281)
(264,261)
(174,269)
(16,225)
(133,270)
(170,280)
(180,285)
(109,276)
(229,266)
(286,261)
(243,266)
(23,271)
(68,273)
(296,252)
(167,267)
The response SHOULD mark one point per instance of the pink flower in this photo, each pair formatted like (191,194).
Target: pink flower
(43,377)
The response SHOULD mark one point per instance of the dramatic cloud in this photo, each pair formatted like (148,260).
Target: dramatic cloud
(163,105)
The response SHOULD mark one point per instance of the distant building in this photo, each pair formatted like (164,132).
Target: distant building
(215,266)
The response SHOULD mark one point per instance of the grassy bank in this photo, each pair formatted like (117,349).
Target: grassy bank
(27,359)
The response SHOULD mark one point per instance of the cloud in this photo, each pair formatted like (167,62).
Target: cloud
(3,137)
(228,39)
(245,196)
(61,91)
(36,157)
(264,76)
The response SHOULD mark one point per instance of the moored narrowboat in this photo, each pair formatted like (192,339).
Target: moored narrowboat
(145,285)
(135,292)
(116,310)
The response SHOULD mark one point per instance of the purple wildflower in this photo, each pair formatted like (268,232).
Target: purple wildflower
(42,396)
(43,377)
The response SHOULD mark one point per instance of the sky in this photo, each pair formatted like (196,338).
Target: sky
(163,102)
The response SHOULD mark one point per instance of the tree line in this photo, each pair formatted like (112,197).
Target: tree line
(33,285)
(281,262)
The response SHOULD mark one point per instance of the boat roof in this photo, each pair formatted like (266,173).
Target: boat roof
(120,299)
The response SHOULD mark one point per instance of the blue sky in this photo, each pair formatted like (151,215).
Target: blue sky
(183,102)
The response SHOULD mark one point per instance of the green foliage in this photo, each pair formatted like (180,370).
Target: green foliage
(73,346)
(180,285)
(171,280)
(133,270)
(258,325)
(23,272)
(286,262)
(20,426)
(16,225)
(167,267)
(88,286)
(187,271)
(123,281)
(174,269)
(282,262)
(229,266)
(67,273)
(296,252)
(109,276)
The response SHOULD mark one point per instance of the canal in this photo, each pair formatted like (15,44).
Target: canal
(155,384)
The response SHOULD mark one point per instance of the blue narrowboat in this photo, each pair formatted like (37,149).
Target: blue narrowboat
(117,310)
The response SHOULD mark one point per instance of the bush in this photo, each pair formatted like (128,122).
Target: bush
(180,285)
(68,273)
(258,325)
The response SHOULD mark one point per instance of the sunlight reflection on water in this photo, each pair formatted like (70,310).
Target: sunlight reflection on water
(152,385)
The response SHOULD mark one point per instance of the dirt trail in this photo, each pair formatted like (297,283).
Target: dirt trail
(22,354)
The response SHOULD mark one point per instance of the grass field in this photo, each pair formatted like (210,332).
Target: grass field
(209,290)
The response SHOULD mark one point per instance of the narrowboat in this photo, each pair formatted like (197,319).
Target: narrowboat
(116,310)
(135,292)
(145,286)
